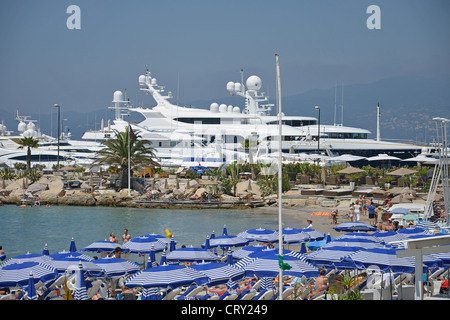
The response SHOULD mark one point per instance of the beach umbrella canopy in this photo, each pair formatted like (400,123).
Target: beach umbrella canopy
(27,257)
(167,276)
(421,158)
(408,232)
(330,257)
(66,254)
(400,211)
(356,244)
(114,267)
(80,285)
(219,273)
(384,258)
(347,158)
(18,274)
(382,157)
(268,265)
(144,244)
(293,235)
(402,172)
(190,254)
(71,264)
(350,170)
(31,290)
(104,246)
(228,241)
(314,235)
(161,238)
(244,252)
(354,226)
(260,234)
(428,225)
(359,235)
(389,236)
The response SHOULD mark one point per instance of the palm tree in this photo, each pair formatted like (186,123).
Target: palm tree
(116,153)
(28,142)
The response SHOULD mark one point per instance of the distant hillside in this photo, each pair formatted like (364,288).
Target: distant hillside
(407,108)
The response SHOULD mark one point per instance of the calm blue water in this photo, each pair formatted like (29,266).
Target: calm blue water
(29,229)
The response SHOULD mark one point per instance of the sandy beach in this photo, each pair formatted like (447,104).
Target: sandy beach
(320,223)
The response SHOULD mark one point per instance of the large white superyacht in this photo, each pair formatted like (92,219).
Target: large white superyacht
(229,126)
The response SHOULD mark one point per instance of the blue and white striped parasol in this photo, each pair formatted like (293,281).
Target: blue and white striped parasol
(330,257)
(227,241)
(27,257)
(65,254)
(104,246)
(357,244)
(389,236)
(314,235)
(80,291)
(354,226)
(260,234)
(219,273)
(293,235)
(70,264)
(18,274)
(244,252)
(46,251)
(384,258)
(191,254)
(166,276)
(144,244)
(267,265)
(114,267)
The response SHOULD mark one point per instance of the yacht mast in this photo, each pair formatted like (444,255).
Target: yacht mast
(280,180)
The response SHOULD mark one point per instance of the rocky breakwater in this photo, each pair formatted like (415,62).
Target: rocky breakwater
(170,192)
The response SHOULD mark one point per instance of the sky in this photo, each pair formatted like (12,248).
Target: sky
(195,47)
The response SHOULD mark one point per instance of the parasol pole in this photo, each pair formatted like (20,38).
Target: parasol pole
(280,180)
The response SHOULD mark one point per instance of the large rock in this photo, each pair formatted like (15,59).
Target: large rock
(242,189)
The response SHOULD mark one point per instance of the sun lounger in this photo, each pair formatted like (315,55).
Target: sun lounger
(265,295)
(337,192)
(311,192)
(247,294)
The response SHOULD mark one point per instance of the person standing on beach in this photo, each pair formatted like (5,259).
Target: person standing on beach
(125,237)
(371,209)
(357,210)
(352,211)
(310,226)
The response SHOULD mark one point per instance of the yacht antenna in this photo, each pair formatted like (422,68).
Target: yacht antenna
(342,106)
(335,91)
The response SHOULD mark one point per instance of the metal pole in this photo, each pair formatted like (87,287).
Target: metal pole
(318,130)
(59,123)
(280,182)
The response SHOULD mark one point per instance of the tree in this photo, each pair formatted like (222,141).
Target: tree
(28,142)
(116,153)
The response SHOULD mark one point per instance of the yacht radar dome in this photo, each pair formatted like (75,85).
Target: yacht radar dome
(142,79)
(253,83)
(118,96)
(214,107)
(230,86)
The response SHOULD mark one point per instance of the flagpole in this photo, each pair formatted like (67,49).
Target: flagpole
(280,180)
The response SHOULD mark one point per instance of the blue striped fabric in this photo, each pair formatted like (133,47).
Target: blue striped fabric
(219,273)
(116,266)
(166,276)
(260,234)
(191,254)
(145,244)
(19,273)
(80,292)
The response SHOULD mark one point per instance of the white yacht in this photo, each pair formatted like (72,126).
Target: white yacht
(71,152)
(230,126)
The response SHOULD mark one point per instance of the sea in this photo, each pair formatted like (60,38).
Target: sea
(30,229)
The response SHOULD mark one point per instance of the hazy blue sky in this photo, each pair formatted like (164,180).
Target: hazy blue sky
(200,45)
